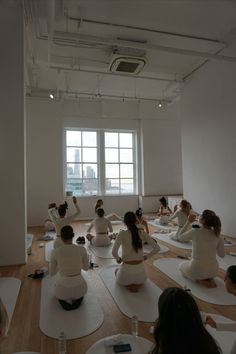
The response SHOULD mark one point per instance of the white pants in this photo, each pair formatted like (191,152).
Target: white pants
(197,270)
(69,288)
(131,274)
(49,226)
(101,240)
(175,235)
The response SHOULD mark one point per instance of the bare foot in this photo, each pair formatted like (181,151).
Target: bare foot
(207,283)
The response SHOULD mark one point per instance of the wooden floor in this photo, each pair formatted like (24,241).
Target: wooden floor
(24,333)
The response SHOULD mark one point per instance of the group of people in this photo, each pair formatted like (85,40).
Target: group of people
(68,259)
(179,327)
(206,239)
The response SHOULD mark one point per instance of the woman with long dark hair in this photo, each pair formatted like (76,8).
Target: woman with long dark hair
(179,328)
(132,272)
(207,243)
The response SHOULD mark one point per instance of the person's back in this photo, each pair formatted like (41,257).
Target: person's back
(204,244)
(70,259)
(102,225)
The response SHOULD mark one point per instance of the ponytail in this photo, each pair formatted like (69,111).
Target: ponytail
(212,220)
(130,221)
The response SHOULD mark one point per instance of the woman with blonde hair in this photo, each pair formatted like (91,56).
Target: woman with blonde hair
(206,243)
(4,320)
(182,216)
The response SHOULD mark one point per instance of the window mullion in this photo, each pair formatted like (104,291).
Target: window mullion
(101,162)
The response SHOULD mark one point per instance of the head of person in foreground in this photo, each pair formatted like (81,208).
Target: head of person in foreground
(230,280)
(179,328)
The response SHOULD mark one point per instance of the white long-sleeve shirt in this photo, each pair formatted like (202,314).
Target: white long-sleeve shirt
(68,260)
(101,224)
(205,243)
(124,240)
(181,216)
(60,222)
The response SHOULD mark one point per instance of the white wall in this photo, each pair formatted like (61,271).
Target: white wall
(45,122)
(209,142)
(12,135)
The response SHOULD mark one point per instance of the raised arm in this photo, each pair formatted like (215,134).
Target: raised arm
(51,214)
(71,217)
(174,216)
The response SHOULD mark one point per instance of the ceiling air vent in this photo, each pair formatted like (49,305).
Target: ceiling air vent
(126,64)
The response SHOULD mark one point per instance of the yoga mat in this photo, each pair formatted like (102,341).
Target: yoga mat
(106,252)
(226,262)
(139,345)
(167,239)
(226,340)
(9,290)
(218,295)
(163,227)
(229,243)
(143,304)
(75,324)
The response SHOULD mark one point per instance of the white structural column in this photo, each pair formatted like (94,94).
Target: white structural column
(12,135)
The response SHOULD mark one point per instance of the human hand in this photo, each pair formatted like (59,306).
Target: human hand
(209,321)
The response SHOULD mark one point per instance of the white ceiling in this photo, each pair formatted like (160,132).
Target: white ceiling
(69,45)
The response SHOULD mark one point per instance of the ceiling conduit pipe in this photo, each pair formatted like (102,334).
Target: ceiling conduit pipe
(51,17)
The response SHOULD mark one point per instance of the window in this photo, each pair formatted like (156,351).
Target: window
(100,162)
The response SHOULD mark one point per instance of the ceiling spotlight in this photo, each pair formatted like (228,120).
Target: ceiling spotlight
(160,104)
(51,96)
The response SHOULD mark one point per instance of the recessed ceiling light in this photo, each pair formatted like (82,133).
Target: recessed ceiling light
(51,96)
(160,105)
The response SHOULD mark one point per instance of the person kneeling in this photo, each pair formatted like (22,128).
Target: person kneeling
(66,264)
(132,273)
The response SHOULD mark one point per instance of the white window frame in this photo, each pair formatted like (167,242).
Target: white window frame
(101,160)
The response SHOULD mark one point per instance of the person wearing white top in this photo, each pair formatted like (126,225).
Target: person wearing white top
(182,216)
(66,264)
(132,273)
(59,218)
(230,284)
(206,244)
(102,226)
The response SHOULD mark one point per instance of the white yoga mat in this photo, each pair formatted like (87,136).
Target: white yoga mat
(163,227)
(167,239)
(226,340)
(9,290)
(143,304)
(229,243)
(226,262)
(139,345)
(106,252)
(75,324)
(113,222)
(218,295)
